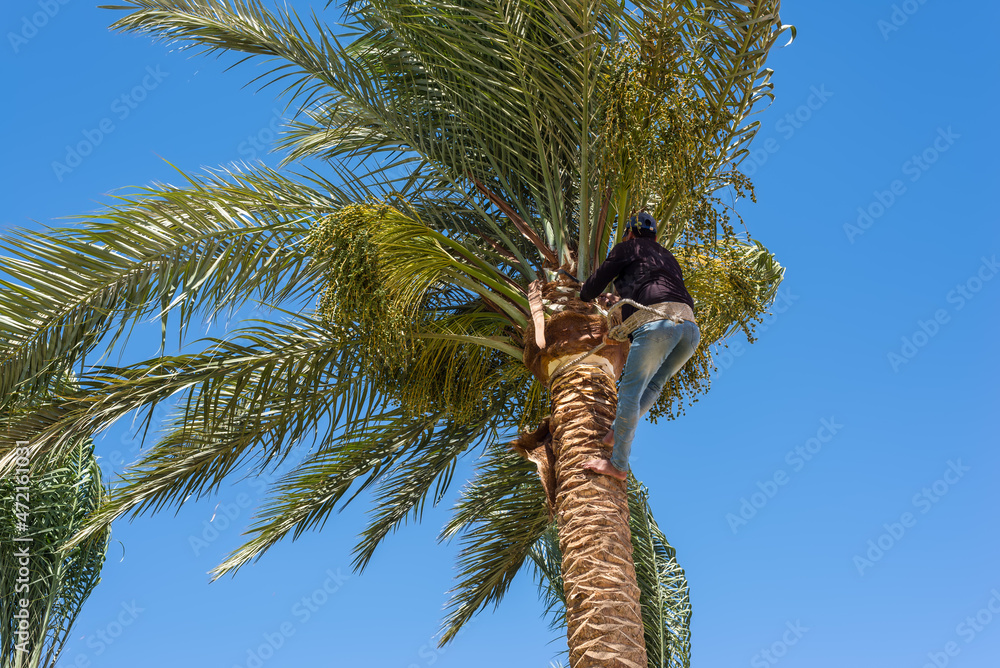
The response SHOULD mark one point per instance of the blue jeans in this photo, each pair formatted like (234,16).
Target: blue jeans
(659,350)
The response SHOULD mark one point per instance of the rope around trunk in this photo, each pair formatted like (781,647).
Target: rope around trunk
(619,332)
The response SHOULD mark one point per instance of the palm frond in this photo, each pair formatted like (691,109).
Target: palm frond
(216,244)
(42,504)
(727,46)
(732,285)
(381,263)
(666,604)
(404,490)
(247,401)
(501,515)
(304,498)
(303,56)
(676,115)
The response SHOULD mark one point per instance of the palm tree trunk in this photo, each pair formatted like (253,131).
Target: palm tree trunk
(602,596)
(603,612)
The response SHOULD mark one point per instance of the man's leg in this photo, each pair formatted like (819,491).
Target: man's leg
(653,342)
(671,345)
(678,357)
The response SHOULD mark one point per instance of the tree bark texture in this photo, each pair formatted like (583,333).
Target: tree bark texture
(602,597)
(603,612)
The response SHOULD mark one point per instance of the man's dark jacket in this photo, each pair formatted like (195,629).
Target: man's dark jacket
(643,271)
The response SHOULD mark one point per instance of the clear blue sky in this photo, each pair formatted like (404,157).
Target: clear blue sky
(887,332)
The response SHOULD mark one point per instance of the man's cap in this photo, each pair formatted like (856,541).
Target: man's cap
(641,222)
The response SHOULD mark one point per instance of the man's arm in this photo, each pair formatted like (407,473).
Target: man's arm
(617,259)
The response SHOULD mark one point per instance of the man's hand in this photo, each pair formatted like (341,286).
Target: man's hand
(607,300)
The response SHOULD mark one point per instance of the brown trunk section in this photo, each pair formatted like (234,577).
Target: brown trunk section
(602,597)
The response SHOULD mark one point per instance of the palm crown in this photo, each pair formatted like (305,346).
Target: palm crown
(473,148)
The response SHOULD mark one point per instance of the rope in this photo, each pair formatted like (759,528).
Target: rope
(619,332)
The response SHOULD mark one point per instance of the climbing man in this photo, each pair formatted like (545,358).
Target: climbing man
(661,341)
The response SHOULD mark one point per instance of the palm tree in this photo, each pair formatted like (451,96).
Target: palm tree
(43,582)
(666,605)
(480,154)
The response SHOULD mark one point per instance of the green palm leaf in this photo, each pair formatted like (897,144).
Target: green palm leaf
(500,516)
(58,496)
(216,245)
